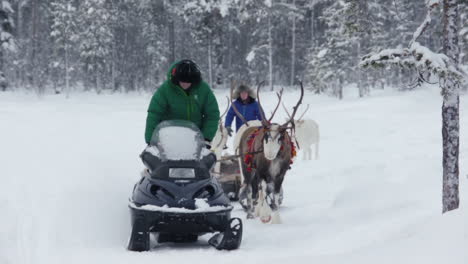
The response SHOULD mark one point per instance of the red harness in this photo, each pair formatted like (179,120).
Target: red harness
(249,156)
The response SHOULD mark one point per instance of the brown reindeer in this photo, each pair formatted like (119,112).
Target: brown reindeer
(266,153)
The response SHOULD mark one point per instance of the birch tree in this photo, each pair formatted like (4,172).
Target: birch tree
(446,67)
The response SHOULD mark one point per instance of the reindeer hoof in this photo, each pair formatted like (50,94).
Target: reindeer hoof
(265,219)
(276,219)
(257,211)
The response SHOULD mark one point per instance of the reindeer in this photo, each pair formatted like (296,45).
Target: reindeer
(218,144)
(306,134)
(265,156)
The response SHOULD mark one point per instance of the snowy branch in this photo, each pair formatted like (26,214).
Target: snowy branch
(431,6)
(418,57)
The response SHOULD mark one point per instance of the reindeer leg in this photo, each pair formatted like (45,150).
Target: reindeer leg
(245,191)
(276,219)
(252,194)
(257,196)
(317,150)
(259,201)
(249,208)
(264,207)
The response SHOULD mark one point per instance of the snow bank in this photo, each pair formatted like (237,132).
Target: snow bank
(372,197)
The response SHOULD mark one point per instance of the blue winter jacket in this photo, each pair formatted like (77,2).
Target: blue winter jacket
(249,110)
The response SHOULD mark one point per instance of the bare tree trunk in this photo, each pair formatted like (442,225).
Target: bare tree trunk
(113,73)
(210,66)
(67,77)
(34,40)
(229,64)
(270,51)
(98,80)
(340,88)
(359,73)
(172,57)
(293,48)
(450,111)
(19,31)
(312,25)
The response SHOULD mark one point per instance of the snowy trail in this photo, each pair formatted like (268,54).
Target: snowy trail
(68,167)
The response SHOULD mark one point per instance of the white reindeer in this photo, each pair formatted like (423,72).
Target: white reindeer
(307,134)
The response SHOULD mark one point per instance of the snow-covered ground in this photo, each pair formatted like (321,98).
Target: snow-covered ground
(68,166)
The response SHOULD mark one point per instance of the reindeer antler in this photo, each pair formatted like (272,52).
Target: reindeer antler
(291,118)
(227,108)
(262,114)
(289,115)
(279,95)
(285,109)
(307,108)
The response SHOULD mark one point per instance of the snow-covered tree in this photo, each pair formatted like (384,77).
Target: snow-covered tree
(446,67)
(64,33)
(296,15)
(95,39)
(464,40)
(264,17)
(330,62)
(205,18)
(129,44)
(7,42)
(154,37)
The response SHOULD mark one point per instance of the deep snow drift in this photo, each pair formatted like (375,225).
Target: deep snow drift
(68,168)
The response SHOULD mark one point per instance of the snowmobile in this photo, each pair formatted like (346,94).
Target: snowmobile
(177,197)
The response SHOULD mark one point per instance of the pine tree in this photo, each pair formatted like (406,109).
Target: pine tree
(95,39)
(330,62)
(206,19)
(64,33)
(154,38)
(264,17)
(7,42)
(464,40)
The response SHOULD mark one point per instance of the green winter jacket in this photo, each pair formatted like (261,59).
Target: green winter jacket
(171,102)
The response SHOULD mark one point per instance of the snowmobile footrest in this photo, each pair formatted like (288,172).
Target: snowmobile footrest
(229,239)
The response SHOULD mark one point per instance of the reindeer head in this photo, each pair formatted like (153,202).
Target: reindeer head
(273,138)
(275,135)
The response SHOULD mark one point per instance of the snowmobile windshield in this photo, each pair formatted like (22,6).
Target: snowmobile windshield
(178,140)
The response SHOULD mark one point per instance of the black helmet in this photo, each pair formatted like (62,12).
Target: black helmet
(186,71)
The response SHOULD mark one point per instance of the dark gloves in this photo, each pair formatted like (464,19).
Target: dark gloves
(207,144)
(229,130)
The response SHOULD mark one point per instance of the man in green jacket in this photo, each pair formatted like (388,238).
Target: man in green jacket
(184,96)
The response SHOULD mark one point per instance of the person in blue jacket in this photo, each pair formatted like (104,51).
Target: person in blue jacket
(246,105)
